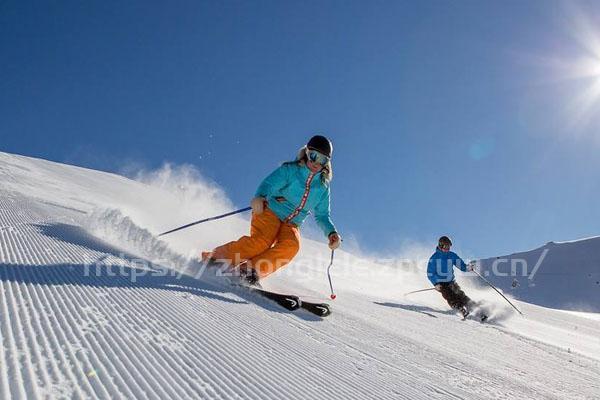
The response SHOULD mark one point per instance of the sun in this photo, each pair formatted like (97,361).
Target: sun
(583,70)
(573,70)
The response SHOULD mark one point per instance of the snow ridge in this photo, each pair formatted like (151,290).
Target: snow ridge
(112,225)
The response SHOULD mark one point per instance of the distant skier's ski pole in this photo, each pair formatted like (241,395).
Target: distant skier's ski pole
(500,293)
(418,291)
(333,295)
(206,220)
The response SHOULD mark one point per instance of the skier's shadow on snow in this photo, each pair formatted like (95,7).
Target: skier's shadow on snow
(120,276)
(415,308)
(100,273)
(104,276)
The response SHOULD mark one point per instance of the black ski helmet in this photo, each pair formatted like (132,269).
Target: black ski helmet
(320,144)
(444,240)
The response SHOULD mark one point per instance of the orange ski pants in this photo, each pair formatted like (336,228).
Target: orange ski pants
(271,245)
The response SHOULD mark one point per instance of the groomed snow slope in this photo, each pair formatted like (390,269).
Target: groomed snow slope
(82,316)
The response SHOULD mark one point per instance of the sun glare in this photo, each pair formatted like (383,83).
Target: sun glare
(575,71)
(584,103)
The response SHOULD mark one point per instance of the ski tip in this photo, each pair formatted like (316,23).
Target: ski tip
(292,304)
(321,310)
(326,311)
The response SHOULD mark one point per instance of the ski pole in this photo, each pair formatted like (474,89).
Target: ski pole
(418,291)
(333,295)
(500,293)
(206,220)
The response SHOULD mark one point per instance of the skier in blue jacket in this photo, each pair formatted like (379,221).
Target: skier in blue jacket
(281,203)
(440,271)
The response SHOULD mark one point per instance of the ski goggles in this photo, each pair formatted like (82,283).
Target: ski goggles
(445,246)
(317,157)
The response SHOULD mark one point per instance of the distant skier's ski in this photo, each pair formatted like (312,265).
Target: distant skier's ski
(476,316)
(476,311)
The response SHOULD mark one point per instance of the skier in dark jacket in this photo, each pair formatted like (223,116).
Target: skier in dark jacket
(440,272)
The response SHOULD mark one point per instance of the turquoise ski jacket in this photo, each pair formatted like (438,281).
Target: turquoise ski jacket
(441,266)
(293,191)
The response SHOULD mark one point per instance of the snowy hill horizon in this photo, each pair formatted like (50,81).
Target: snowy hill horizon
(94,305)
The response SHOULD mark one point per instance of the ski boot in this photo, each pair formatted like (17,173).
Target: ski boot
(464,310)
(207,257)
(478,310)
(248,275)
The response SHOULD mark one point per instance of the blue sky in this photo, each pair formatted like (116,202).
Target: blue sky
(468,118)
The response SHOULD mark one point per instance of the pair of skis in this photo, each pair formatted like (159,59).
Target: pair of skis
(291,302)
(477,317)
(477,312)
(287,301)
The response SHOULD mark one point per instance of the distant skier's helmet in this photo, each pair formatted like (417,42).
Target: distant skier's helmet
(320,144)
(444,241)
